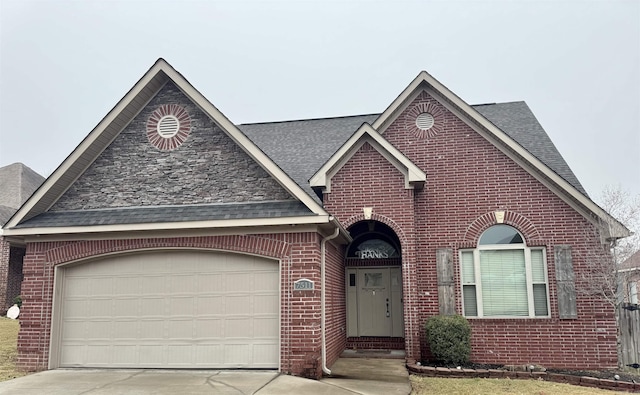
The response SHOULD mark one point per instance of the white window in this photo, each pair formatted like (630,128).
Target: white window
(503,277)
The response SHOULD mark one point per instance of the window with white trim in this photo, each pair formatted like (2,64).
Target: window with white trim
(503,277)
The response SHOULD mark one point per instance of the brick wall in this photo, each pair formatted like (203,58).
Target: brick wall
(207,168)
(467,180)
(4,273)
(336,313)
(14,276)
(299,257)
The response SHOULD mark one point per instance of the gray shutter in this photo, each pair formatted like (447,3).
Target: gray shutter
(565,280)
(446,283)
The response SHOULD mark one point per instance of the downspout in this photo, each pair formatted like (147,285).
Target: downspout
(323,314)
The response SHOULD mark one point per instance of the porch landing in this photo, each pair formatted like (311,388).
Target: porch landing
(377,354)
(370,376)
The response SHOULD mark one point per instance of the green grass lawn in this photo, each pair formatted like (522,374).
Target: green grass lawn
(8,351)
(477,386)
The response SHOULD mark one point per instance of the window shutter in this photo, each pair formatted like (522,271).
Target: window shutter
(446,284)
(565,280)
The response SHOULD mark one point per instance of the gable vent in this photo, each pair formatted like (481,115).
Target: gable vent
(425,121)
(168,126)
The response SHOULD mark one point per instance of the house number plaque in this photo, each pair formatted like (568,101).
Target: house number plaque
(303,285)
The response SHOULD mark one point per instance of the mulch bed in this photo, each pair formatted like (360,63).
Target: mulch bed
(605,379)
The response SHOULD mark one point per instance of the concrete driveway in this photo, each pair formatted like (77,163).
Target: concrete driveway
(358,376)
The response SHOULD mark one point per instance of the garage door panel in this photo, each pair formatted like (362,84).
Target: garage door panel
(209,283)
(209,353)
(266,281)
(210,305)
(239,282)
(265,302)
(172,309)
(150,284)
(151,307)
(153,329)
(238,305)
(266,328)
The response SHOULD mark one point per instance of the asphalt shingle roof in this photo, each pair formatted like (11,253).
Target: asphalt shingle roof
(159,214)
(301,147)
(517,120)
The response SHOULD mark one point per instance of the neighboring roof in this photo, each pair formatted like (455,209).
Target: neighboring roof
(5,214)
(17,184)
(633,262)
(113,123)
(160,214)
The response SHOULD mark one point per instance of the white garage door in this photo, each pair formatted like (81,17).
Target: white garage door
(170,309)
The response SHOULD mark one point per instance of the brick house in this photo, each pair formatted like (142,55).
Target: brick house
(173,238)
(17,183)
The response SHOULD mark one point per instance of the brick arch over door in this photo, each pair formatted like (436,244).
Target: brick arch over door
(241,244)
(485,221)
(380,218)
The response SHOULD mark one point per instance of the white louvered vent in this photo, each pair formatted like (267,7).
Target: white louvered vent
(424,121)
(168,126)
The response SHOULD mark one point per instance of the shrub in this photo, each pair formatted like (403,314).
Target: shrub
(18,300)
(449,338)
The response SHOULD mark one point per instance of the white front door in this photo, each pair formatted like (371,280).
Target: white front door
(374,299)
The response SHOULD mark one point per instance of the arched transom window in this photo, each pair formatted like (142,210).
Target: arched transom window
(503,277)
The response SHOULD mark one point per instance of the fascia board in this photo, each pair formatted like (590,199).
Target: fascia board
(388,115)
(163,226)
(364,134)
(162,234)
(76,155)
(523,157)
(243,141)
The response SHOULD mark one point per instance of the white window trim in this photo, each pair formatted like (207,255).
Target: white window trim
(528,275)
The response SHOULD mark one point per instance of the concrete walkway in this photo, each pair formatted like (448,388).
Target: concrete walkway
(349,376)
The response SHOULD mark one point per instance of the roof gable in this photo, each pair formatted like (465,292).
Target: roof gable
(301,147)
(205,167)
(120,116)
(572,194)
(414,177)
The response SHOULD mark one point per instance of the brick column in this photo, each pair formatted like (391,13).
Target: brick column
(5,249)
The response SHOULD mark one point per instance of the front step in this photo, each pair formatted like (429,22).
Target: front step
(388,354)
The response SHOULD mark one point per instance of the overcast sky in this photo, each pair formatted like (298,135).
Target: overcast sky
(65,64)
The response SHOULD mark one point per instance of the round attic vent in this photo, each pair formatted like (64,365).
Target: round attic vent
(425,121)
(168,127)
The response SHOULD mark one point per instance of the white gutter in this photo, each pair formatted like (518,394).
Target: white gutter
(335,234)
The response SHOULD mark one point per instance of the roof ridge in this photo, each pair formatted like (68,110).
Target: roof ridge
(308,119)
(498,103)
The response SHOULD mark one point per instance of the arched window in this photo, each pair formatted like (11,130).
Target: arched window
(503,277)
(374,248)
